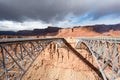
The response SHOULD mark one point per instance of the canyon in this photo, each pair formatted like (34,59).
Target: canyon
(61,63)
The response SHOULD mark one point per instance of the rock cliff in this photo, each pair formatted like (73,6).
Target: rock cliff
(76,32)
(62,63)
(93,30)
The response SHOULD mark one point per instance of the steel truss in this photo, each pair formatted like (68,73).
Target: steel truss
(16,56)
(106,53)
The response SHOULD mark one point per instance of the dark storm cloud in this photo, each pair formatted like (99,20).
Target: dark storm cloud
(45,10)
(6,12)
(105,8)
(48,10)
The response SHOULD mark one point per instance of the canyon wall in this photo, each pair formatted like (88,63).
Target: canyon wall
(62,63)
(93,30)
(77,32)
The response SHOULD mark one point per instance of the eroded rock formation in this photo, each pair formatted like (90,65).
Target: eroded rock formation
(77,32)
(62,63)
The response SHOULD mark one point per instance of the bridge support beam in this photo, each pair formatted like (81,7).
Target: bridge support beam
(106,53)
(16,58)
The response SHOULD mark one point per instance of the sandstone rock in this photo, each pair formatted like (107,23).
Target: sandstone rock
(56,63)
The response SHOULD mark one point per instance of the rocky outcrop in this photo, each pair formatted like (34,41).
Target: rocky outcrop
(112,33)
(49,30)
(7,33)
(45,31)
(77,32)
(106,28)
(62,63)
(95,30)
(102,28)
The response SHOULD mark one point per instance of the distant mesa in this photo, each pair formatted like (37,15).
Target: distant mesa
(75,31)
(31,32)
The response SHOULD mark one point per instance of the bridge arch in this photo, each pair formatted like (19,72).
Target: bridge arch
(93,55)
(106,54)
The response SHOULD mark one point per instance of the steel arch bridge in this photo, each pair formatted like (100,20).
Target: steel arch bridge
(17,55)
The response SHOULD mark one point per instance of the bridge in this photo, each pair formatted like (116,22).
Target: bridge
(17,55)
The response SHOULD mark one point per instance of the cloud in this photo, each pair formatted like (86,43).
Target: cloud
(45,10)
(29,14)
(69,21)
(26,25)
(49,10)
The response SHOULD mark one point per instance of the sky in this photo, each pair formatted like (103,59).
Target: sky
(29,14)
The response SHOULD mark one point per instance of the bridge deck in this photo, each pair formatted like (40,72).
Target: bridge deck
(12,40)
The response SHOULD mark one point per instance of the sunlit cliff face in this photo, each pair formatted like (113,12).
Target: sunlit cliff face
(56,63)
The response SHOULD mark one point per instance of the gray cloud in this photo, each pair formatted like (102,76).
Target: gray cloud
(48,10)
